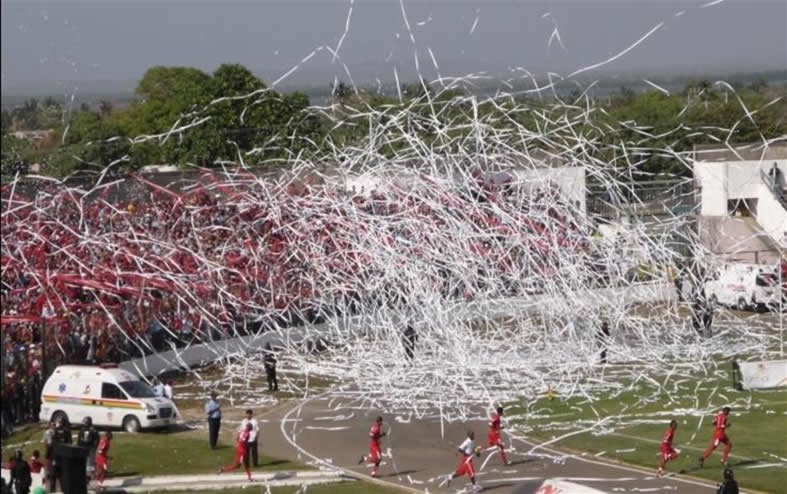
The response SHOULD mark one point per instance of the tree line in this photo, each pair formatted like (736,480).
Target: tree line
(182,115)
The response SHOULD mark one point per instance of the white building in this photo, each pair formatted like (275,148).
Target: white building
(743,214)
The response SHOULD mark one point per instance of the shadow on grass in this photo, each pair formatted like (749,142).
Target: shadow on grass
(173,429)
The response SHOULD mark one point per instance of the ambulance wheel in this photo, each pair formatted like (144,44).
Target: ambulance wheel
(742,305)
(60,415)
(131,424)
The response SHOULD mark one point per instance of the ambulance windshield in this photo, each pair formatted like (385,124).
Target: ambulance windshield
(137,389)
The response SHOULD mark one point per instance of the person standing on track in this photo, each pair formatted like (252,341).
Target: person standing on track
(720,424)
(269,361)
(241,453)
(466,451)
(602,336)
(253,446)
(213,412)
(493,436)
(666,451)
(88,438)
(409,338)
(375,455)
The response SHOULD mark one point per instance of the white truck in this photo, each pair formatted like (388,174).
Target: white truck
(745,286)
(110,396)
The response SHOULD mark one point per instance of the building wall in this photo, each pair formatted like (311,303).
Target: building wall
(727,180)
(723,181)
(570,179)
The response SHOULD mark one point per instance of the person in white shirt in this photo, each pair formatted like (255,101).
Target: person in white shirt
(168,390)
(466,450)
(158,389)
(251,444)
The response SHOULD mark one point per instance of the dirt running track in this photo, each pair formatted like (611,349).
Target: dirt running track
(330,431)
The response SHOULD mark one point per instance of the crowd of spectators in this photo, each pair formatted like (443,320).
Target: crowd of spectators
(89,277)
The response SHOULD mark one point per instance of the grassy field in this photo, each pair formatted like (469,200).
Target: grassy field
(628,426)
(334,488)
(164,453)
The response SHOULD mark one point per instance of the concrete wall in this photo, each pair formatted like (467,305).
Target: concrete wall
(771,216)
(570,179)
(726,180)
(723,181)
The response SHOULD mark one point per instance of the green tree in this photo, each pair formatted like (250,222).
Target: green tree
(6,122)
(14,155)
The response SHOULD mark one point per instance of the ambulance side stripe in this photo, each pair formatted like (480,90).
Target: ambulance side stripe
(98,402)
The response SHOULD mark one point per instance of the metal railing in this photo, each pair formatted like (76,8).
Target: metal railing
(776,189)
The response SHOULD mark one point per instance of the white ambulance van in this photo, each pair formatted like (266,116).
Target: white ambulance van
(745,286)
(110,396)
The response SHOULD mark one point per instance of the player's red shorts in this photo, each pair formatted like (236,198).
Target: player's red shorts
(374,453)
(720,437)
(667,453)
(465,467)
(101,466)
(493,437)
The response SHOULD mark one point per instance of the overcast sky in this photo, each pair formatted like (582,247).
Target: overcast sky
(66,41)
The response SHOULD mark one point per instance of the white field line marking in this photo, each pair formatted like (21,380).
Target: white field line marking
(609,464)
(346,471)
(683,446)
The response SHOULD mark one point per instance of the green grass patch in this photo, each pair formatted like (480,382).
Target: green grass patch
(332,488)
(158,453)
(628,424)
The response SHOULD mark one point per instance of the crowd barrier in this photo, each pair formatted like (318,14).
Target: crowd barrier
(202,354)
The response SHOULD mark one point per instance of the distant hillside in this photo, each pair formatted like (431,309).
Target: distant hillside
(316,83)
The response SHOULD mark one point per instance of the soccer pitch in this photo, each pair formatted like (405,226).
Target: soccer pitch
(627,425)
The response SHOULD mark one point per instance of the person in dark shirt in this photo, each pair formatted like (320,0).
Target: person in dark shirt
(730,485)
(269,360)
(20,478)
(409,337)
(602,336)
(88,439)
(61,434)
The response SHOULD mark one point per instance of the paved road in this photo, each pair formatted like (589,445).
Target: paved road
(329,430)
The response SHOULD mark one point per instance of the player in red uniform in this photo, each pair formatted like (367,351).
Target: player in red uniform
(375,455)
(666,451)
(241,453)
(102,457)
(720,425)
(493,437)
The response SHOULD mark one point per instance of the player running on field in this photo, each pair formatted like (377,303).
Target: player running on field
(241,452)
(466,451)
(493,436)
(375,455)
(720,424)
(666,451)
